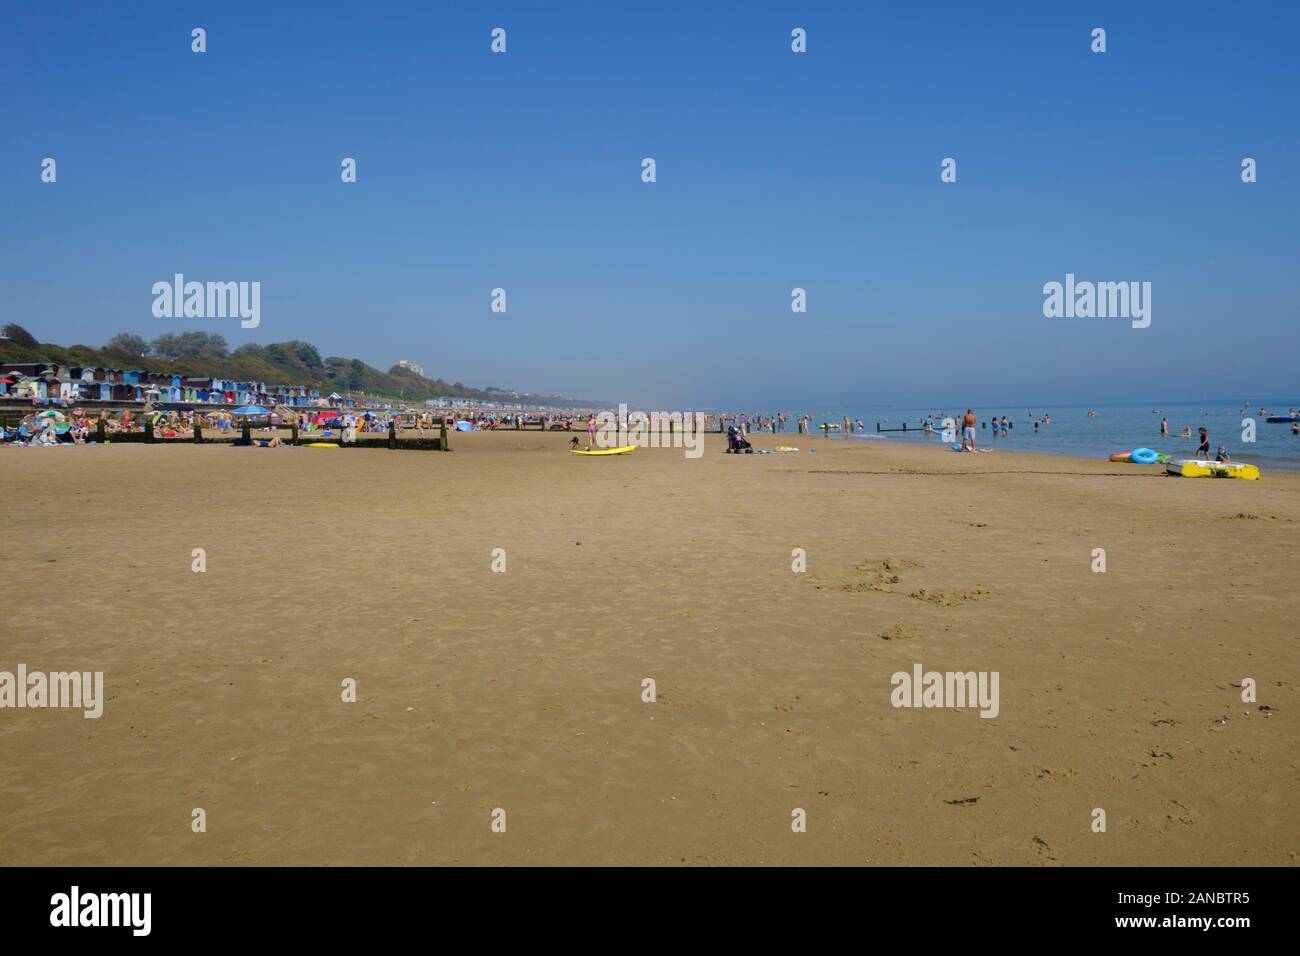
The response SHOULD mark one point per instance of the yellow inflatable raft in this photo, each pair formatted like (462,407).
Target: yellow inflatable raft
(606,451)
(1191,468)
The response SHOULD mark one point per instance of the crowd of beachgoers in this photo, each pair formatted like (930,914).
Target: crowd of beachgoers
(76,426)
(53,426)
(808,424)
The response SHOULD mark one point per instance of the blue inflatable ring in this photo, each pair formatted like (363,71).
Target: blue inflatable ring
(1143,456)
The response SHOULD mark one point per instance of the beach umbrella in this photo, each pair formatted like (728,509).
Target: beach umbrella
(251,410)
(51,413)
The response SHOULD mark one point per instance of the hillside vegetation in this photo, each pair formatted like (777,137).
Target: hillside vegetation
(280,363)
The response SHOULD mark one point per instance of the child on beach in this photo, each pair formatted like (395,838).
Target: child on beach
(591,432)
(1205,444)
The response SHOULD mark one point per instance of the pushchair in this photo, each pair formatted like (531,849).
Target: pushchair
(737,443)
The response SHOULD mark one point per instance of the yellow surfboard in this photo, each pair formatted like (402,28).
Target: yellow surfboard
(606,451)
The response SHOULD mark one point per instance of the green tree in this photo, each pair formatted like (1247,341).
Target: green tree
(356,374)
(167,345)
(307,354)
(128,344)
(20,336)
(217,345)
(336,368)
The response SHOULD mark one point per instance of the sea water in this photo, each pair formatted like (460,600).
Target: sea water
(1115,428)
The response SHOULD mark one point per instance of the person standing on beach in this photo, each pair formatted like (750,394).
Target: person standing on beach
(1205,444)
(968,430)
(591,432)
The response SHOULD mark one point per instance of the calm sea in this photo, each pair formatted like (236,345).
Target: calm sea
(1116,427)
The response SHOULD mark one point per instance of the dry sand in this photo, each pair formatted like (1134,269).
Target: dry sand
(522,690)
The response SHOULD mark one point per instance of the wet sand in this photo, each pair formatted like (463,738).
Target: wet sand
(522,690)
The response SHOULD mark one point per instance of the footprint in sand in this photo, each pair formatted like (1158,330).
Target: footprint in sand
(899,632)
(882,574)
(875,575)
(949,598)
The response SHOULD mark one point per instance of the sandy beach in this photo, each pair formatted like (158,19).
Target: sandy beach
(523,690)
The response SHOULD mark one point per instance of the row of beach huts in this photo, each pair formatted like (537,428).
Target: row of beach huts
(50,384)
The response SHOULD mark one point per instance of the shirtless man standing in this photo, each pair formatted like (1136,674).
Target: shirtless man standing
(968,430)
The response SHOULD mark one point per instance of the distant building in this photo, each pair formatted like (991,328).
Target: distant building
(410,366)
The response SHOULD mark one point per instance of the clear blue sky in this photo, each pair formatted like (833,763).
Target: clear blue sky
(775,170)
